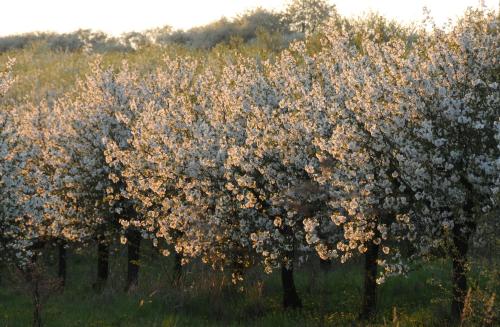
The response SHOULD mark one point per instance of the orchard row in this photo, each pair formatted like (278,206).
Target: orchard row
(363,148)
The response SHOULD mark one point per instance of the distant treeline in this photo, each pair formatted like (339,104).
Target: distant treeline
(245,28)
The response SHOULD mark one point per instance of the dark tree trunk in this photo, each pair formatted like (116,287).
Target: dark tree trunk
(37,304)
(1,269)
(461,237)
(325,265)
(32,277)
(177,276)
(291,299)
(102,265)
(134,243)
(370,287)
(61,272)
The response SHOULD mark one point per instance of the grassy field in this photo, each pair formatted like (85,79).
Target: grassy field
(206,298)
(42,74)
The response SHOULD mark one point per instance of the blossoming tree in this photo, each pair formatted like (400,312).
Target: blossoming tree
(92,117)
(454,169)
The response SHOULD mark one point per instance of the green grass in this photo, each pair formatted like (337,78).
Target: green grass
(206,298)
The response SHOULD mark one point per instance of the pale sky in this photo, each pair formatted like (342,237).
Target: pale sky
(118,16)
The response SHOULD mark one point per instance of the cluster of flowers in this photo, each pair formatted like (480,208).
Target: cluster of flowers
(364,145)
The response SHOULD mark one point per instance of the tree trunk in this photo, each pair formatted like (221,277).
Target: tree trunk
(134,243)
(291,299)
(370,288)
(32,278)
(102,265)
(37,304)
(177,276)
(459,277)
(1,270)
(61,272)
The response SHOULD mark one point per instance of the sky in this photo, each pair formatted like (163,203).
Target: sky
(117,16)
